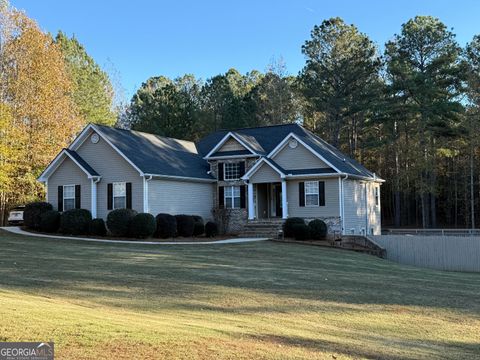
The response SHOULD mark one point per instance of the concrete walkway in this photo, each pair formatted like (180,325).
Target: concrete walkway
(19,231)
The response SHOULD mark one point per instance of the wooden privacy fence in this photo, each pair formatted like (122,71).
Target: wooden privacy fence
(452,252)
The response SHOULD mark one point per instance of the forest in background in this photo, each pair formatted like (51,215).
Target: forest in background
(410,112)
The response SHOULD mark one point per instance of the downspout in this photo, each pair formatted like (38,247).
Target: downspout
(343,203)
(146,179)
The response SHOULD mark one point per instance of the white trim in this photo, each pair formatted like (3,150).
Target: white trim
(57,162)
(184,178)
(285,141)
(80,137)
(343,204)
(251,206)
(93,197)
(224,140)
(257,166)
(284,200)
(233,197)
(146,207)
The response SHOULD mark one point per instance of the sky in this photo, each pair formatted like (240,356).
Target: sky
(135,40)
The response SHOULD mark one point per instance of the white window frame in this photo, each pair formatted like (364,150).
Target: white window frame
(312,193)
(232,197)
(377,196)
(68,198)
(235,172)
(122,196)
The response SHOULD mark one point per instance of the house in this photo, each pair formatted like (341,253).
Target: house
(257,173)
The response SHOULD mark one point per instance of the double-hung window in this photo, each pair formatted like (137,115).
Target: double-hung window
(232,197)
(119,195)
(311,193)
(232,171)
(377,196)
(68,197)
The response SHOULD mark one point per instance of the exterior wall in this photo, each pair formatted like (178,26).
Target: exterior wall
(68,173)
(238,217)
(112,168)
(180,197)
(231,145)
(265,175)
(332,202)
(298,158)
(360,201)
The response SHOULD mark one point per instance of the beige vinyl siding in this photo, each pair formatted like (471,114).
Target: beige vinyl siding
(355,207)
(265,175)
(113,168)
(68,173)
(374,214)
(298,158)
(180,197)
(332,205)
(231,145)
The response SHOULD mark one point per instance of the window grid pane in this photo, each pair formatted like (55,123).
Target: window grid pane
(119,189)
(68,204)
(119,202)
(69,192)
(231,171)
(232,197)
(311,193)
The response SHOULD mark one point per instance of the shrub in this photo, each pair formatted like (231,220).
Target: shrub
(33,212)
(185,225)
(166,226)
(75,221)
(198,225)
(318,229)
(301,232)
(211,229)
(288,226)
(143,225)
(97,227)
(118,221)
(50,221)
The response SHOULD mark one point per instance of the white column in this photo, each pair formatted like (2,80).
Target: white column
(284,200)
(251,207)
(93,198)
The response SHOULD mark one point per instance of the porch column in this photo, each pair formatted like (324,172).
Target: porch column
(284,199)
(251,208)
(93,197)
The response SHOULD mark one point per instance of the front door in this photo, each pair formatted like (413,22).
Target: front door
(277,191)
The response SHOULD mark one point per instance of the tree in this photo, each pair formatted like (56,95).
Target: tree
(425,77)
(37,115)
(92,89)
(165,107)
(339,80)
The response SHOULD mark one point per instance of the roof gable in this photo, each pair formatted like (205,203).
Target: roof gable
(75,158)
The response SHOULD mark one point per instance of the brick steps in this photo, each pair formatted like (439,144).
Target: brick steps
(263,228)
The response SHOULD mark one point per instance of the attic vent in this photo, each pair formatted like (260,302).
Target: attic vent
(293,143)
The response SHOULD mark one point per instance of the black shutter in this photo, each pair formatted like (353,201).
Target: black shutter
(109,196)
(221,198)
(241,167)
(60,198)
(242,197)
(220,171)
(301,193)
(128,188)
(77,197)
(321,193)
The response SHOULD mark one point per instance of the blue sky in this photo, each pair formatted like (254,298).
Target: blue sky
(144,38)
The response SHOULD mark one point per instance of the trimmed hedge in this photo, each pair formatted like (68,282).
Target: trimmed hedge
(75,221)
(198,225)
(185,225)
(318,229)
(97,227)
(289,224)
(143,225)
(50,221)
(301,231)
(166,226)
(33,212)
(118,221)
(211,229)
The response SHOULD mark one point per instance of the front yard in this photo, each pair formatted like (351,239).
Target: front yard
(243,301)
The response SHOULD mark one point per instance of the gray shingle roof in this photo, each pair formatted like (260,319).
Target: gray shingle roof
(158,155)
(268,137)
(230,153)
(82,162)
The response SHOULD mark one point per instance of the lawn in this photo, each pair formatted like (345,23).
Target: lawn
(242,301)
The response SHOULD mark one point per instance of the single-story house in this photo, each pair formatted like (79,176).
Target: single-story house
(262,173)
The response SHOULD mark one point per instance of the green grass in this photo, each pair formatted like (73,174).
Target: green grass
(241,301)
